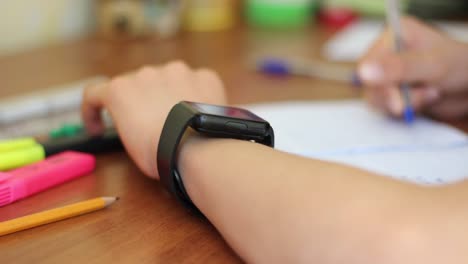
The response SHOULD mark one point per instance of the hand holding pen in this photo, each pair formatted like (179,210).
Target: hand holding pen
(393,22)
(432,65)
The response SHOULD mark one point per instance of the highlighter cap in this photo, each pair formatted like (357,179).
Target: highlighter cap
(5,190)
(20,157)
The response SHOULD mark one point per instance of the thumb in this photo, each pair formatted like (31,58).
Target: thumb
(392,69)
(420,97)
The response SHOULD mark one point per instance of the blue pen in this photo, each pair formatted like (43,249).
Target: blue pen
(309,68)
(393,20)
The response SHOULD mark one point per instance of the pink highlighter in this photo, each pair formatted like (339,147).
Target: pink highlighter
(29,180)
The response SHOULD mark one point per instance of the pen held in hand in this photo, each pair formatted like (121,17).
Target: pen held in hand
(393,20)
(408,112)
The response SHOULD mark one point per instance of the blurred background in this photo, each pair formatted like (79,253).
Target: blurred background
(62,45)
(27,24)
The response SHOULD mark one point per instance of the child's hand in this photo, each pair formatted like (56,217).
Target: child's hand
(139,103)
(435,66)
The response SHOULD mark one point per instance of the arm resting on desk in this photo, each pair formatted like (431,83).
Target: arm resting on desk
(273,207)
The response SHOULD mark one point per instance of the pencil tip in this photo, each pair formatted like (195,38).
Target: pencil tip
(110,200)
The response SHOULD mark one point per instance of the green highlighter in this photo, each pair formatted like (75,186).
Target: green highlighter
(19,152)
(23,151)
(67,130)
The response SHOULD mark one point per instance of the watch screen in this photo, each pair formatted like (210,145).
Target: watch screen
(233,112)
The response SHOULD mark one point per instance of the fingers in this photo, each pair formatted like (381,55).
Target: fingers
(423,60)
(176,76)
(91,108)
(454,107)
(389,99)
(410,67)
(424,97)
(423,65)
(383,74)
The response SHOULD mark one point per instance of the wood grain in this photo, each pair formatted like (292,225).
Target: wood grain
(146,225)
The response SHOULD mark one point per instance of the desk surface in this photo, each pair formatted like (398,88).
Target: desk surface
(146,225)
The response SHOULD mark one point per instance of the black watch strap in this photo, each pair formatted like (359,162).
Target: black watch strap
(179,118)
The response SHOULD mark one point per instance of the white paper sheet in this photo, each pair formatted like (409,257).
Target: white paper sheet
(349,132)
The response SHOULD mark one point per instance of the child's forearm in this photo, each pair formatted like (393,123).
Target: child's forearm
(276,207)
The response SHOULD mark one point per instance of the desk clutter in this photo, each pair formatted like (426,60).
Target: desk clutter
(36,177)
(128,18)
(39,176)
(46,111)
(42,145)
(38,125)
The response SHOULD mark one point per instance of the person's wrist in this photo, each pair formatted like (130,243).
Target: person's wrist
(150,153)
(193,157)
(187,151)
(190,163)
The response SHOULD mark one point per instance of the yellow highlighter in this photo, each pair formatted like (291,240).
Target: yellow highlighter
(17,157)
(55,215)
(14,144)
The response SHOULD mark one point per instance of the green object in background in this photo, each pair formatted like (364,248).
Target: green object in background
(20,157)
(280,14)
(66,130)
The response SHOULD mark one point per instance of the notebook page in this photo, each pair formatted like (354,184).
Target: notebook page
(349,132)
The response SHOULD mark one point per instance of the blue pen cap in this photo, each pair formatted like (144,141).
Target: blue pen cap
(274,67)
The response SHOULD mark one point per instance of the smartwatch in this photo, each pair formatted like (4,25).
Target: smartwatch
(209,120)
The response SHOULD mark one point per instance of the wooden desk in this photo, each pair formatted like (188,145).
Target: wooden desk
(146,225)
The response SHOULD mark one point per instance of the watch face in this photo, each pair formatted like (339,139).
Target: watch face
(232,112)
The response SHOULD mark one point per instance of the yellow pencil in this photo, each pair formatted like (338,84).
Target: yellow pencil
(54,215)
